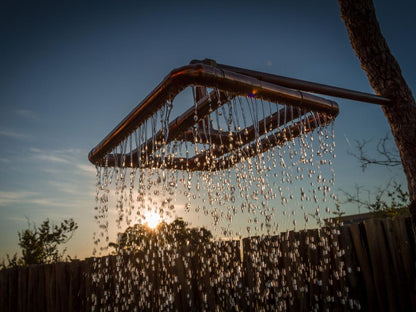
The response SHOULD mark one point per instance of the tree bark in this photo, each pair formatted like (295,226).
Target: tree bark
(386,79)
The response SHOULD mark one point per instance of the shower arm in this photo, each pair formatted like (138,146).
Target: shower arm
(302,85)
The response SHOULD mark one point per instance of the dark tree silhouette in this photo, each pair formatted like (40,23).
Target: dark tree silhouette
(385,77)
(177,234)
(41,244)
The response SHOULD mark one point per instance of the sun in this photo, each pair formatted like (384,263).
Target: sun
(152,219)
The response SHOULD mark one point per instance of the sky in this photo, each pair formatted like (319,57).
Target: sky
(71,70)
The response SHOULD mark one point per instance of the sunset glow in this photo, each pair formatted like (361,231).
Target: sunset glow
(152,219)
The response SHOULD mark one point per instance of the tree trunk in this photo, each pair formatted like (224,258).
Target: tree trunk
(386,79)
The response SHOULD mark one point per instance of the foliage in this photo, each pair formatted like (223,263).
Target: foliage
(177,233)
(338,213)
(40,244)
(12,262)
(389,200)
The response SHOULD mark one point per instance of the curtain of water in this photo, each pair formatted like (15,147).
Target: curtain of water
(265,173)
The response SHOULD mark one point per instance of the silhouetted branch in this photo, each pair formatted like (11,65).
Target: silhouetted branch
(388,156)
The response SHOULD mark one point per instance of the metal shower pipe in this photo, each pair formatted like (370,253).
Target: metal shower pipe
(302,84)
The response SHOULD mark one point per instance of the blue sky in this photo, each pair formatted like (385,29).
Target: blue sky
(71,70)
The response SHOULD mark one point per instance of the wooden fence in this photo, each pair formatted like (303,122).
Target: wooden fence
(370,265)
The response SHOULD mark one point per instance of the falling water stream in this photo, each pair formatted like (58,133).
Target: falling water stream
(259,200)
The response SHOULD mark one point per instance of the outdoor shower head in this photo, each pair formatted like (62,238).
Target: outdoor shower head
(276,114)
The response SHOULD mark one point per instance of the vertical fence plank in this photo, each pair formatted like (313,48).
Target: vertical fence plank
(259,268)
(154,268)
(36,288)
(337,297)
(313,257)
(226,268)
(88,289)
(32,287)
(291,260)
(281,293)
(360,247)
(49,288)
(249,271)
(3,290)
(407,254)
(12,290)
(61,290)
(178,271)
(22,288)
(204,266)
(303,285)
(354,275)
(6,277)
(328,265)
(74,285)
(380,264)
(398,272)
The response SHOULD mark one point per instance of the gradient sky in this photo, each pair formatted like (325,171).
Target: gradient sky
(71,70)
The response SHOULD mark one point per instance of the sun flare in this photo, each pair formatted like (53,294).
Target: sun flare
(152,219)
